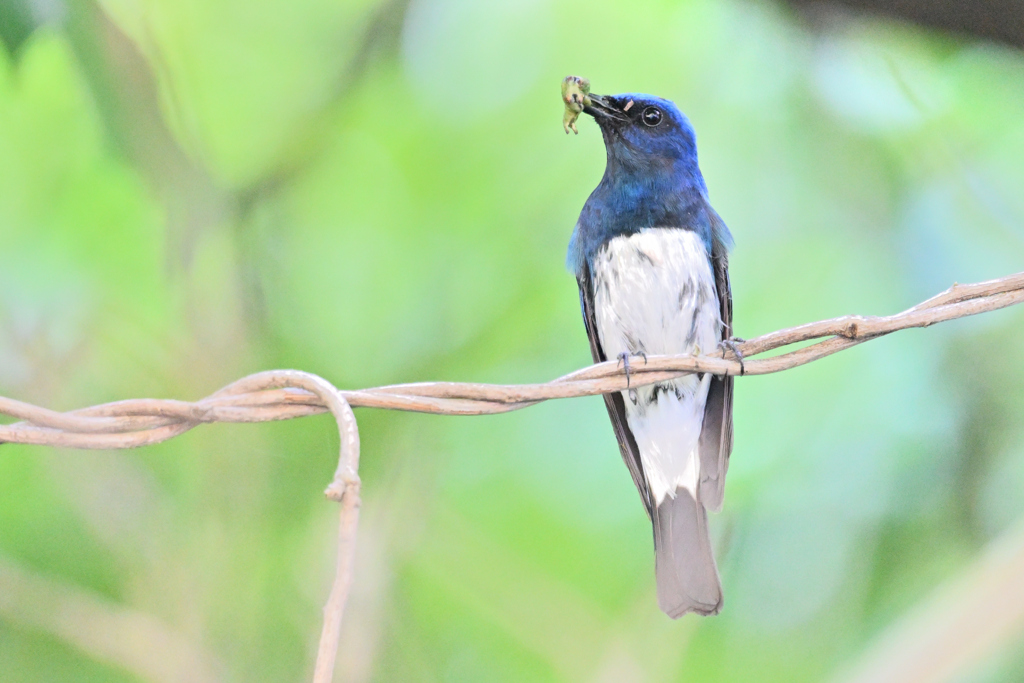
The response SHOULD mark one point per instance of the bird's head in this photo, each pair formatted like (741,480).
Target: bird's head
(651,179)
(646,135)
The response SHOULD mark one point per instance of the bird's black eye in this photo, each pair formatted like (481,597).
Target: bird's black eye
(651,116)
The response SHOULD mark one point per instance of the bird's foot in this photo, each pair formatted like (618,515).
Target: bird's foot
(732,345)
(624,359)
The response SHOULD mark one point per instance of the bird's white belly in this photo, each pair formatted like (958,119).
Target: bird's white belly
(654,293)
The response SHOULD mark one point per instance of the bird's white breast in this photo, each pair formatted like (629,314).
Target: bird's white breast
(654,293)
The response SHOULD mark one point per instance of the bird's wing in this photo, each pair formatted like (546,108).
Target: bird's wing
(715,443)
(613,401)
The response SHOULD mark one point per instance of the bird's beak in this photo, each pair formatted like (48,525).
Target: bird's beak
(606,109)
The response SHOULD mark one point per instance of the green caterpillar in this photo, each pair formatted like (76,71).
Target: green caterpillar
(576,95)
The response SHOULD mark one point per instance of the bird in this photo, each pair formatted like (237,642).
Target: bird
(650,256)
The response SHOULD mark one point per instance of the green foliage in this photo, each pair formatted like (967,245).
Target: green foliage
(382,192)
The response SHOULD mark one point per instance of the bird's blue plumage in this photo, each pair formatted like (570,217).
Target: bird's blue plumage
(651,180)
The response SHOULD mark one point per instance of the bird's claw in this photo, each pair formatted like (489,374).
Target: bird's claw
(732,345)
(624,359)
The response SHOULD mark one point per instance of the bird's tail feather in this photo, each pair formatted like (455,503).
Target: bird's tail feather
(685,566)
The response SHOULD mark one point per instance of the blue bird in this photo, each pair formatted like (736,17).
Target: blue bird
(651,259)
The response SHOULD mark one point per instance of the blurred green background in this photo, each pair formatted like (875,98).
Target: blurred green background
(193,190)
